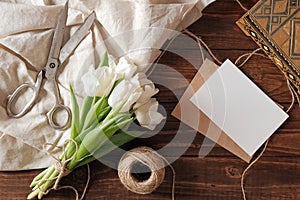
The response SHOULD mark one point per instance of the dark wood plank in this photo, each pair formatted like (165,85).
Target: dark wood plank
(221,7)
(207,178)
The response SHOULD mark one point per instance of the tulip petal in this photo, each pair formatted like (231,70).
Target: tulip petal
(147,114)
(125,68)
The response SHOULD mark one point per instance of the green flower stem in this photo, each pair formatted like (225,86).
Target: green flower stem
(43,184)
(95,138)
(101,116)
(112,129)
(94,131)
(75,115)
(71,147)
(85,161)
(48,183)
(113,113)
(118,118)
(87,103)
(36,180)
(101,104)
(33,194)
(114,142)
(91,119)
(104,60)
(73,164)
(99,108)
(46,176)
(84,132)
(90,141)
(45,180)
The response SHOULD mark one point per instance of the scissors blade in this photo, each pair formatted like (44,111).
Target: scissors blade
(58,34)
(76,38)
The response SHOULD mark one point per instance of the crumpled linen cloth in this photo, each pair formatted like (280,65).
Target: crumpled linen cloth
(26,29)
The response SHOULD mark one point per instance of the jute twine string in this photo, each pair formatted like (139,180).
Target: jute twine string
(266,143)
(150,158)
(248,56)
(293,94)
(152,68)
(200,43)
(241,5)
(61,167)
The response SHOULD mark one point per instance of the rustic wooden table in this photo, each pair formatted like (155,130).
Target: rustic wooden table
(217,176)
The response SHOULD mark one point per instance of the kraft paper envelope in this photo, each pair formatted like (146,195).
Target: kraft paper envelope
(187,112)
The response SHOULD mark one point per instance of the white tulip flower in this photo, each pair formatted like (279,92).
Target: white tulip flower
(148,87)
(124,68)
(127,92)
(99,82)
(147,114)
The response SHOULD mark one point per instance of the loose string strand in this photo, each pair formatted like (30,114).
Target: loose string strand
(249,55)
(266,144)
(152,68)
(200,41)
(292,94)
(241,5)
(249,166)
(173,172)
(294,91)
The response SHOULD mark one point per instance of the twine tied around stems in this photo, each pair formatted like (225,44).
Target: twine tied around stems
(61,167)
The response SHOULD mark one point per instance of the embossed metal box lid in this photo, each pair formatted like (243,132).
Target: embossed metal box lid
(275,26)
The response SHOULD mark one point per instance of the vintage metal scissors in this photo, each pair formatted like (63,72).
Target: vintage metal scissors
(57,56)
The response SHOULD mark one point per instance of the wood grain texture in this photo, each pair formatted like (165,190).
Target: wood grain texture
(275,176)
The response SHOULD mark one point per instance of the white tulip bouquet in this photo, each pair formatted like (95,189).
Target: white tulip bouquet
(116,95)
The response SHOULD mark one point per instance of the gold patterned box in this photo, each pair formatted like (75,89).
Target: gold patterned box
(275,26)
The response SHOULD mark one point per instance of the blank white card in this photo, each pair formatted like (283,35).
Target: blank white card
(237,106)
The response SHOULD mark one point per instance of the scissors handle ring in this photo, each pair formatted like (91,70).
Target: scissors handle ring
(11,100)
(52,113)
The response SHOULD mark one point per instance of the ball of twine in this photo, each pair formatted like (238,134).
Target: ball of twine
(149,158)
